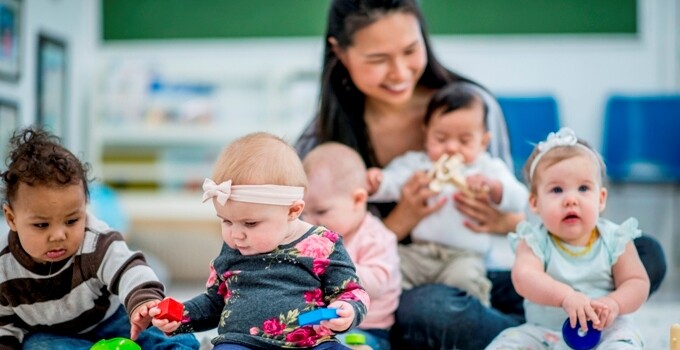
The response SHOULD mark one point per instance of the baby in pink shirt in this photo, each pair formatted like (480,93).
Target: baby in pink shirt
(336,198)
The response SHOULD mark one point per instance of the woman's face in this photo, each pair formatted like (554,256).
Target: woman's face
(387,58)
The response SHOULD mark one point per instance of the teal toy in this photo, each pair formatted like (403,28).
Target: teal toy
(115,344)
(316,316)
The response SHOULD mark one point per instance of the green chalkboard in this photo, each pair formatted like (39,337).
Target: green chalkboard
(210,19)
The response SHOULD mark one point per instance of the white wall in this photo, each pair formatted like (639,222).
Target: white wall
(580,70)
(68,20)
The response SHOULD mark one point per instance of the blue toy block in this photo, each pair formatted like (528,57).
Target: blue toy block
(316,316)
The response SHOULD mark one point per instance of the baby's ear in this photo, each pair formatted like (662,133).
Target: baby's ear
(360,196)
(9,217)
(603,199)
(533,203)
(295,209)
(486,138)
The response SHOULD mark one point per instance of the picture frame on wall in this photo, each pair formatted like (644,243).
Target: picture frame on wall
(9,122)
(51,84)
(10,39)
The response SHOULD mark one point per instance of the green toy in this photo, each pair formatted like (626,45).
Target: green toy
(115,344)
(355,339)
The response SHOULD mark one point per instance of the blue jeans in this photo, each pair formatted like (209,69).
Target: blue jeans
(323,346)
(118,325)
(440,317)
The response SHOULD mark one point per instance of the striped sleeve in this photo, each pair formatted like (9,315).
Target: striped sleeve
(10,334)
(124,272)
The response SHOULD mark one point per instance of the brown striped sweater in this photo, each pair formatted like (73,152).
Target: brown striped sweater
(75,295)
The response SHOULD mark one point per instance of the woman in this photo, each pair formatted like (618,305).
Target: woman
(378,75)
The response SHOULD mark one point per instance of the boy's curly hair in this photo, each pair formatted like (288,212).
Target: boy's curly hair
(37,157)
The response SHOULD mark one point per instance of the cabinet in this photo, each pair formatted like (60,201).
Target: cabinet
(162,130)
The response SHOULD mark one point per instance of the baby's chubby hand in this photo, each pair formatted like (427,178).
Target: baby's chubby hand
(141,318)
(578,306)
(345,317)
(482,185)
(164,325)
(374,177)
(607,310)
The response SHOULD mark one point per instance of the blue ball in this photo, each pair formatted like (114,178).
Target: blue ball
(578,340)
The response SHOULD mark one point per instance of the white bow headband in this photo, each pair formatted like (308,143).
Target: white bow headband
(261,194)
(565,137)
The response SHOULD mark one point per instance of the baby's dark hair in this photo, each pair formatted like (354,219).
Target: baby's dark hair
(452,97)
(37,158)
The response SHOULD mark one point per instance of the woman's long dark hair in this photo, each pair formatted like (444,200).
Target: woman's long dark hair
(342,104)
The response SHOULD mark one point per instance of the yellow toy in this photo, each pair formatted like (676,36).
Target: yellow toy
(675,337)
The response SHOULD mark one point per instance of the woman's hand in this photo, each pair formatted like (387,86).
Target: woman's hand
(413,206)
(483,217)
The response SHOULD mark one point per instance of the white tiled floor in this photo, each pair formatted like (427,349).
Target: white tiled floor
(654,318)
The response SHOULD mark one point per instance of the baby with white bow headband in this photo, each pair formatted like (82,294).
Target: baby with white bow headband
(273,266)
(575,268)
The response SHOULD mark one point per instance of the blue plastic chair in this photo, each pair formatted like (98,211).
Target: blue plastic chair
(530,119)
(641,141)
(106,206)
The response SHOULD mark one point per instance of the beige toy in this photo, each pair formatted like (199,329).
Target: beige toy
(448,170)
(675,337)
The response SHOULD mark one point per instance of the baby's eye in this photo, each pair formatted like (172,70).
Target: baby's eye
(250,224)
(226,222)
(41,225)
(72,222)
(583,188)
(556,189)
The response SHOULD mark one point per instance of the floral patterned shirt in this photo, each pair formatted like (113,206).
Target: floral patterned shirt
(255,300)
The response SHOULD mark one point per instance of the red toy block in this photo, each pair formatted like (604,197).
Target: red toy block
(171,310)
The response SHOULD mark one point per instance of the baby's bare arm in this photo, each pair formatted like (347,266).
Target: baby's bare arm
(631,281)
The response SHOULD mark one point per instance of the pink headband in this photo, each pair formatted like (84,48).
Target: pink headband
(261,194)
